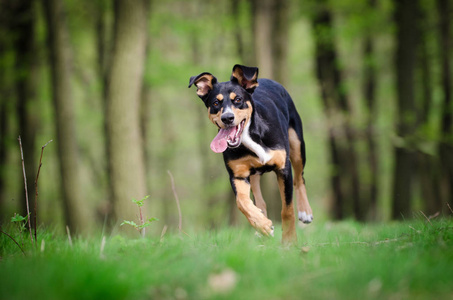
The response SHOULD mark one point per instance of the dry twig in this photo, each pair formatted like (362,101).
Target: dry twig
(450,208)
(177,200)
(36,190)
(429,221)
(164,230)
(26,190)
(1,231)
(69,236)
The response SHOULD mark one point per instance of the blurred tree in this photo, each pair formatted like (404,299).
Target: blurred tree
(60,61)
(344,169)
(427,163)
(104,44)
(369,93)
(445,8)
(406,18)
(242,32)
(280,40)
(262,13)
(271,31)
(6,93)
(125,78)
(26,81)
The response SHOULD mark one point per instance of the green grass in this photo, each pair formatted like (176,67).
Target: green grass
(346,260)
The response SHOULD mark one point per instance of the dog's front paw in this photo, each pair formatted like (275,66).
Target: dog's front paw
(263,225)
(305,218)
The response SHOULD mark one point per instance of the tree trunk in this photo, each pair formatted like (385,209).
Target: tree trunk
(127,170)
(244,45)
(446,144)
(405,62)
(279,40)
(5,94)
(26,86)
(270,28)
(344,176)
(60,59)
(271,33)
(104,52)
(369,92)
(428,164)
(262,31)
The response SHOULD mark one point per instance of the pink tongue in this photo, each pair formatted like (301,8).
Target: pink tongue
(219,143)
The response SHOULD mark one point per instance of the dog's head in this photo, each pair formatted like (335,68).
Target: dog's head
(229,104)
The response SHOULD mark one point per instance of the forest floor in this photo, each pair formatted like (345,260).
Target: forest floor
(344,260)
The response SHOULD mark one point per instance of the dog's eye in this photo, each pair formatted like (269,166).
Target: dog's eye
(237,100)
(215,103)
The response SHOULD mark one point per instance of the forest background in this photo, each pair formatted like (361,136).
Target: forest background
(107,82)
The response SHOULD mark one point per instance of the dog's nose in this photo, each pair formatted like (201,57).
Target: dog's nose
(227,118)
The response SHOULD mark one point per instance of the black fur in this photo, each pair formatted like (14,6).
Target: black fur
(273,114)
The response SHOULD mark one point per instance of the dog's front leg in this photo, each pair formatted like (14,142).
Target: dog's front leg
(241,188)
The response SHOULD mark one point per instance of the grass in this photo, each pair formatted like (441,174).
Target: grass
(346,260)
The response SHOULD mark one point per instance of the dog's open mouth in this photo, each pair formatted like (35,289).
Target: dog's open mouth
(228,137)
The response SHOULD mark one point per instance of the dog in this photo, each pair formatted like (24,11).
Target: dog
(259,131)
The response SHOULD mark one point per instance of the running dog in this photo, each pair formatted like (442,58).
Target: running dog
(259,131)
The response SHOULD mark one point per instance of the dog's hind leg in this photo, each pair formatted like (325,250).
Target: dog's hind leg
(285,185)
(256,190)
(305,212)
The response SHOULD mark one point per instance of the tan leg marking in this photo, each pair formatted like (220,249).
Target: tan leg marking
(251,212)
(289,235)
(305,212)
(256,190)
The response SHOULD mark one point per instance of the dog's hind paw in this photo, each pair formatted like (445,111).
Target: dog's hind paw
(305,218)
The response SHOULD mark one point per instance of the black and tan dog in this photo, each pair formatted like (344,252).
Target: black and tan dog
(259,131)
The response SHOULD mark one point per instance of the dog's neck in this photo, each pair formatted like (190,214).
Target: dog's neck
(253,146)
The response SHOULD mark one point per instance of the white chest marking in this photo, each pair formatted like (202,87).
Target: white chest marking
(263,156)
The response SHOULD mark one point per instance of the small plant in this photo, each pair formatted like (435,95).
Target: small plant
(143,223)
(20,221)
(21,226)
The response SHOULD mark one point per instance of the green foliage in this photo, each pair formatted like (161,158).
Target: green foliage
(18,218)
(141,201)
(143,224)
(345,260)
(20,221)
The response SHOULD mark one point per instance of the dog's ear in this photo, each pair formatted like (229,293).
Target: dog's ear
(204,83)
(247,77)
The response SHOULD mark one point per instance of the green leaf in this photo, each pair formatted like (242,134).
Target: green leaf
(141,201)
(18,218)
(132,223)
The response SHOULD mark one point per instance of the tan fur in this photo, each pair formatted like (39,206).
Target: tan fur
(204,84)
(256,190)
(241,167)
(247,84)
(255,217)
(288,217)
(241,114)
(299,184)
(215,119)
